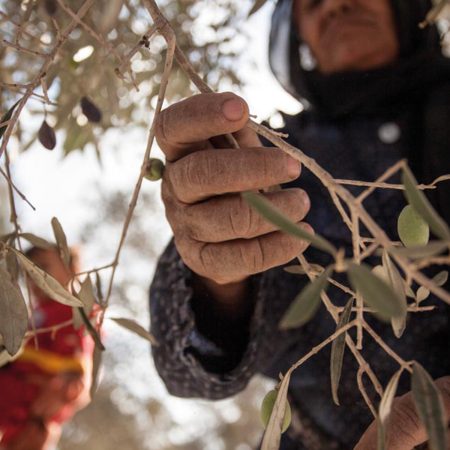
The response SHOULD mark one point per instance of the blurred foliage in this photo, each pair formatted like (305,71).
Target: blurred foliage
(207,32)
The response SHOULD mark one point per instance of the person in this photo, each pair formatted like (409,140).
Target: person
(376,89)
(47,383)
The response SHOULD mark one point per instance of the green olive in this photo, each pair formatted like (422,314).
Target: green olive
(412,229)
(154,170)
(267,407)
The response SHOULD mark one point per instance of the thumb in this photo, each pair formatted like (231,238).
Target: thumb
(405,430)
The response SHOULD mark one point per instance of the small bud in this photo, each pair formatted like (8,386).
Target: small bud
(46,136)
(154,170)
(50,7)
(90,110)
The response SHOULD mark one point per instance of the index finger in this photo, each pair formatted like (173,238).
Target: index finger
(186,126)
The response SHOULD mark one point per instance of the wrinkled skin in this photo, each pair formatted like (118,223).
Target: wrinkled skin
(405,430)
(216,233)
(346,35)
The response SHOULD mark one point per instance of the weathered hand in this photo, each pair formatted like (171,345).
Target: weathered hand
(216,233)
(405,430)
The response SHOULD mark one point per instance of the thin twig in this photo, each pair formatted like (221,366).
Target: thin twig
(404,364)
(171,42)
(362,389)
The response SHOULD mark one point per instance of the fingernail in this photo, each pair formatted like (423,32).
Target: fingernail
(233,109)
(293,167)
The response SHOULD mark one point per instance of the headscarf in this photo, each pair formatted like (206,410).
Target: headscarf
(420,65)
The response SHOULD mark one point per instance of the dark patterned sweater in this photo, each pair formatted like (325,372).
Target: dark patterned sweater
(201,356)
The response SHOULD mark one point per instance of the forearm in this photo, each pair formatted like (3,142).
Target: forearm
(190,363)
(193,364)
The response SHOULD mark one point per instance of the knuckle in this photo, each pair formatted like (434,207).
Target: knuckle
(266,164)
(254,257)
(188,252)
(405,420)
(207,260)
(241,218)
(195,170)
(193,224)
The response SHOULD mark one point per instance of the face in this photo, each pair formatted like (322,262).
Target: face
(346,35)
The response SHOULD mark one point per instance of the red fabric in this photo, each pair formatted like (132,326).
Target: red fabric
(18,388)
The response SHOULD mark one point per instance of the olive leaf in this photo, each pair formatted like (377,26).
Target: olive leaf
(298,270)
(398,323)
(272,435)
(87,296)
(384,410)
(433,248)
(441,278)
(408,291)
(36,241)
(397,284)
(47,283)
(420,203)
(273,215)
(337,351)
(61,241)
(295,270)
(7,116)
(256,6)
(305,305)
(90,110)
(422,294)
(13,314)
(96,364)
(5,357)
(12,266)
(98,285)
(131,325)
(376,292)
(430,407)
(47,136)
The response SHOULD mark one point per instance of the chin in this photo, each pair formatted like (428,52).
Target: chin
(354,58)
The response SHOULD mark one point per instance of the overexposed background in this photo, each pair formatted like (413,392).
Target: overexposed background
(132,407)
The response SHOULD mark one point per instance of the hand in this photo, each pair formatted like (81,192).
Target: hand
(216,233)
(405,430)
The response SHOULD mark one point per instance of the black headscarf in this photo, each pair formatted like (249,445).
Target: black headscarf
(420,66)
